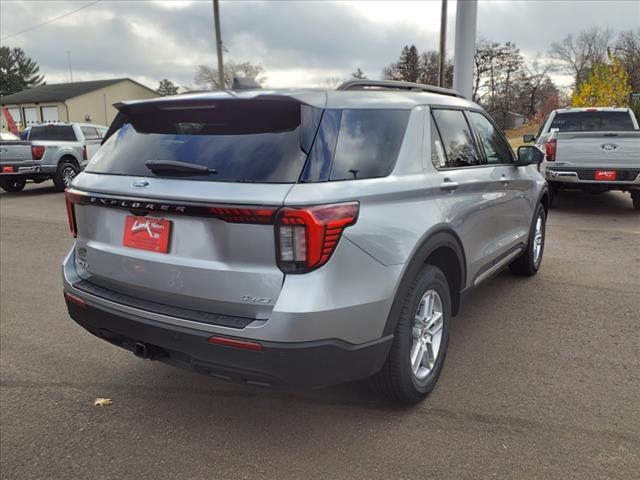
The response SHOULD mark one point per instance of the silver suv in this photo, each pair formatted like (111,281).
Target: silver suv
(301,237)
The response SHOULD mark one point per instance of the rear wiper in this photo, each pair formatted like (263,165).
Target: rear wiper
(168,166)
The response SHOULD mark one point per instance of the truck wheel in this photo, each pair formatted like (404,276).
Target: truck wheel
(635,198)
(12,184)
(529,262)
(420,340)
(64,175)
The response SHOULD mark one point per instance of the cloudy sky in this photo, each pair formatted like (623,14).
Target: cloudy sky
(297,42)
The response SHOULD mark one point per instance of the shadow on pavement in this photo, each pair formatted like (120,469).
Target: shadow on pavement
(608,203)
(32,190)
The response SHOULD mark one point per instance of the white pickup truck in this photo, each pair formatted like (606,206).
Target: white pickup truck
(56,151)
(593,149)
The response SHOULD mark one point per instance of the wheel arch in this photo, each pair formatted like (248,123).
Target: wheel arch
(442,248)
(68,158)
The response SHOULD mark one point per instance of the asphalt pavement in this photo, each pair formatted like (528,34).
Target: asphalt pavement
(542,378)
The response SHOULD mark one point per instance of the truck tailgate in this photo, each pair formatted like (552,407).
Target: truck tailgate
(610,150)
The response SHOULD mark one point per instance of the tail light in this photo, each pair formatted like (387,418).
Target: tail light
(37,152)
(71,214)
(84,152)
(307,237)
(550,150)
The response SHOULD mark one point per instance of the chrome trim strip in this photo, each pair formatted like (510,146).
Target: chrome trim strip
(488,273)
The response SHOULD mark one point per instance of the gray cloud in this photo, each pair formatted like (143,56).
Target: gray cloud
(295,41)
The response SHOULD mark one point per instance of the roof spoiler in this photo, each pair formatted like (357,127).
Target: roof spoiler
(396,85)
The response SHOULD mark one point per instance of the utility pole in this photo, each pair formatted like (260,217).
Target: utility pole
(70,71)
(216,20)
(443,43)
(466,23)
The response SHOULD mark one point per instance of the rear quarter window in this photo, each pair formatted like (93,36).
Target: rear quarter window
(368,143)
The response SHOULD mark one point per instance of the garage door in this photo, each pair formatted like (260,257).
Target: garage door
(30,115)
(50,114)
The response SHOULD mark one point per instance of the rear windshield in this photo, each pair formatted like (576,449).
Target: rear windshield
(243,141)
(592,121)
(266,141)
(60,133)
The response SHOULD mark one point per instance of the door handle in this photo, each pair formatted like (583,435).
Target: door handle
(505,180)
(448,185)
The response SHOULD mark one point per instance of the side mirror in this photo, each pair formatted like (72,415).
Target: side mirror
(529,155)
(528,138)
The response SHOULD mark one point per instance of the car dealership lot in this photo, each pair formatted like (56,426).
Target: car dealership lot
(541,381)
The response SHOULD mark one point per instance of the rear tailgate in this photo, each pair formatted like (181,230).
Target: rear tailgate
(598,150)
(14,152)
(210,265)
(204,242)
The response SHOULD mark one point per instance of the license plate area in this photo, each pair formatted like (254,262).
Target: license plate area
(605,175)
(147,233)
(7,169)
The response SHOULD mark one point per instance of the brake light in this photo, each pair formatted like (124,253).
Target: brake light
(550,150)
(84,152)
(71,214)
(37,152)
(307,237)
(592,109)
(243,215)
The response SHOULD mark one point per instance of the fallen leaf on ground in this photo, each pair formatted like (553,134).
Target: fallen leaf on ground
(102,402)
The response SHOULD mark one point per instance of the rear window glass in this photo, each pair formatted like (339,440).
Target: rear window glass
(592,121)
(60,133)
(368,143)
(242,140)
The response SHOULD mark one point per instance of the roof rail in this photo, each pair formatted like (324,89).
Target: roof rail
(358,84)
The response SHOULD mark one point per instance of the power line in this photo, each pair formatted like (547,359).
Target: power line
(50,21)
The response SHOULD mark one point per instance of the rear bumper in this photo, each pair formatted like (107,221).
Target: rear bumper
(629,179)
(292,365)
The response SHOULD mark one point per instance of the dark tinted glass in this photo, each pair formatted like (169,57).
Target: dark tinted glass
(368,143)
(319,162)
(495,147)
(61,133)
(244,141)
(457,138)
(592,121)
(90,133)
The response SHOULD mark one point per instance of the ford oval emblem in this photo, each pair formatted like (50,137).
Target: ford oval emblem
(608,146)
(140,184)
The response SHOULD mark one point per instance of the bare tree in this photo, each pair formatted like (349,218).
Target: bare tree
(430,69)
(628,52)
(207,76)
(579,54)
(332,82)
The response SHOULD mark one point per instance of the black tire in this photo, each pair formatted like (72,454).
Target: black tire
(635,198)
(64,169)
(397,380)
(528,264)
(12,184)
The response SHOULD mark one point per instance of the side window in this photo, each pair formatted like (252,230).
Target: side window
(90,133)
(368,143)
(438,157)
(102,132)
(495,148)
(457,139)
